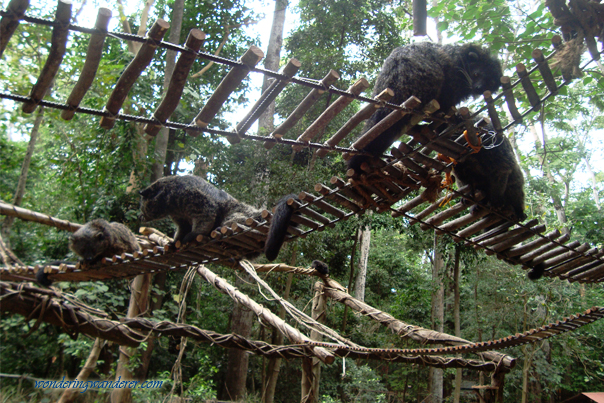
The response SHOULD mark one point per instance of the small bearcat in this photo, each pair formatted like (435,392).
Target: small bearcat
(98,239)
(448,73)
(94,241)
(197,207)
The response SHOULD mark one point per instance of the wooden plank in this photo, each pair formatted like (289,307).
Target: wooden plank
(58,46)
(10,21)
(132,72)
(177,81)
(91,64)
(228,84)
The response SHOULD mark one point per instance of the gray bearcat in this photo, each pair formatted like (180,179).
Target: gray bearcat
(450,74)
(197,207)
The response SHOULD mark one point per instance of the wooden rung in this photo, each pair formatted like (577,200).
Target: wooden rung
(422,158)
(347,190)
(584,272)
(10,22)
(267,97)
(530,246)
(133,71)
(331,112)
(177,81)
(338,198)
(525,80)
(461,221)
(302,108)
(228,84)
(386,123)
(299,219)
(492,240)
(355,120)
(91,64)
(539,251)
(428,210)
(437,219)
(521,237)
(565,256)
(508,93)
(60,32)
(483,223)
(545,71)
(495,121)
(553,253)
(470,128)
(322,205)
(415,167)
(422,135)
(307,211)
(567,267)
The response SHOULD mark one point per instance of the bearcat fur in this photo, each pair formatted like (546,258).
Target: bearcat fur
(496,173)
(448,73)
(278,231)
(98,239)
(198,207)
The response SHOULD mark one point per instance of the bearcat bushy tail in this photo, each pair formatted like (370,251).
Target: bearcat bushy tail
(278,229)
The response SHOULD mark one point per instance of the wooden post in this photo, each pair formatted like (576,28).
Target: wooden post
(311,367)
(139,299)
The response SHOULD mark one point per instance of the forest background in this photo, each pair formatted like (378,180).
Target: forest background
(78,172)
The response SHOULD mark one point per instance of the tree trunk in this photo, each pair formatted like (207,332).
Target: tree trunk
(557,201)
(457,320)
(311,367)
(359,285)
(157,170)
(274,363)
(436,374)
(161,141)
(236,374)
(69,395)
(20,192)
(271,61)
(139,298)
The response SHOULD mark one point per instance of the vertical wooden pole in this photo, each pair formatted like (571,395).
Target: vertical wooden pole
(311,367)
(139,299)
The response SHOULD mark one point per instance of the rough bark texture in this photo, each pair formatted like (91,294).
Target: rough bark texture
(557,201)
(436,374)
(139,299)
(359,285)
(69,395)
(236,374)
(457,320)
(311,368)
(274,364)
(271,60)
(161,142)
(20,192)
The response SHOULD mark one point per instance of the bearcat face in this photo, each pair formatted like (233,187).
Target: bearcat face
(482,70)
(153,202)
